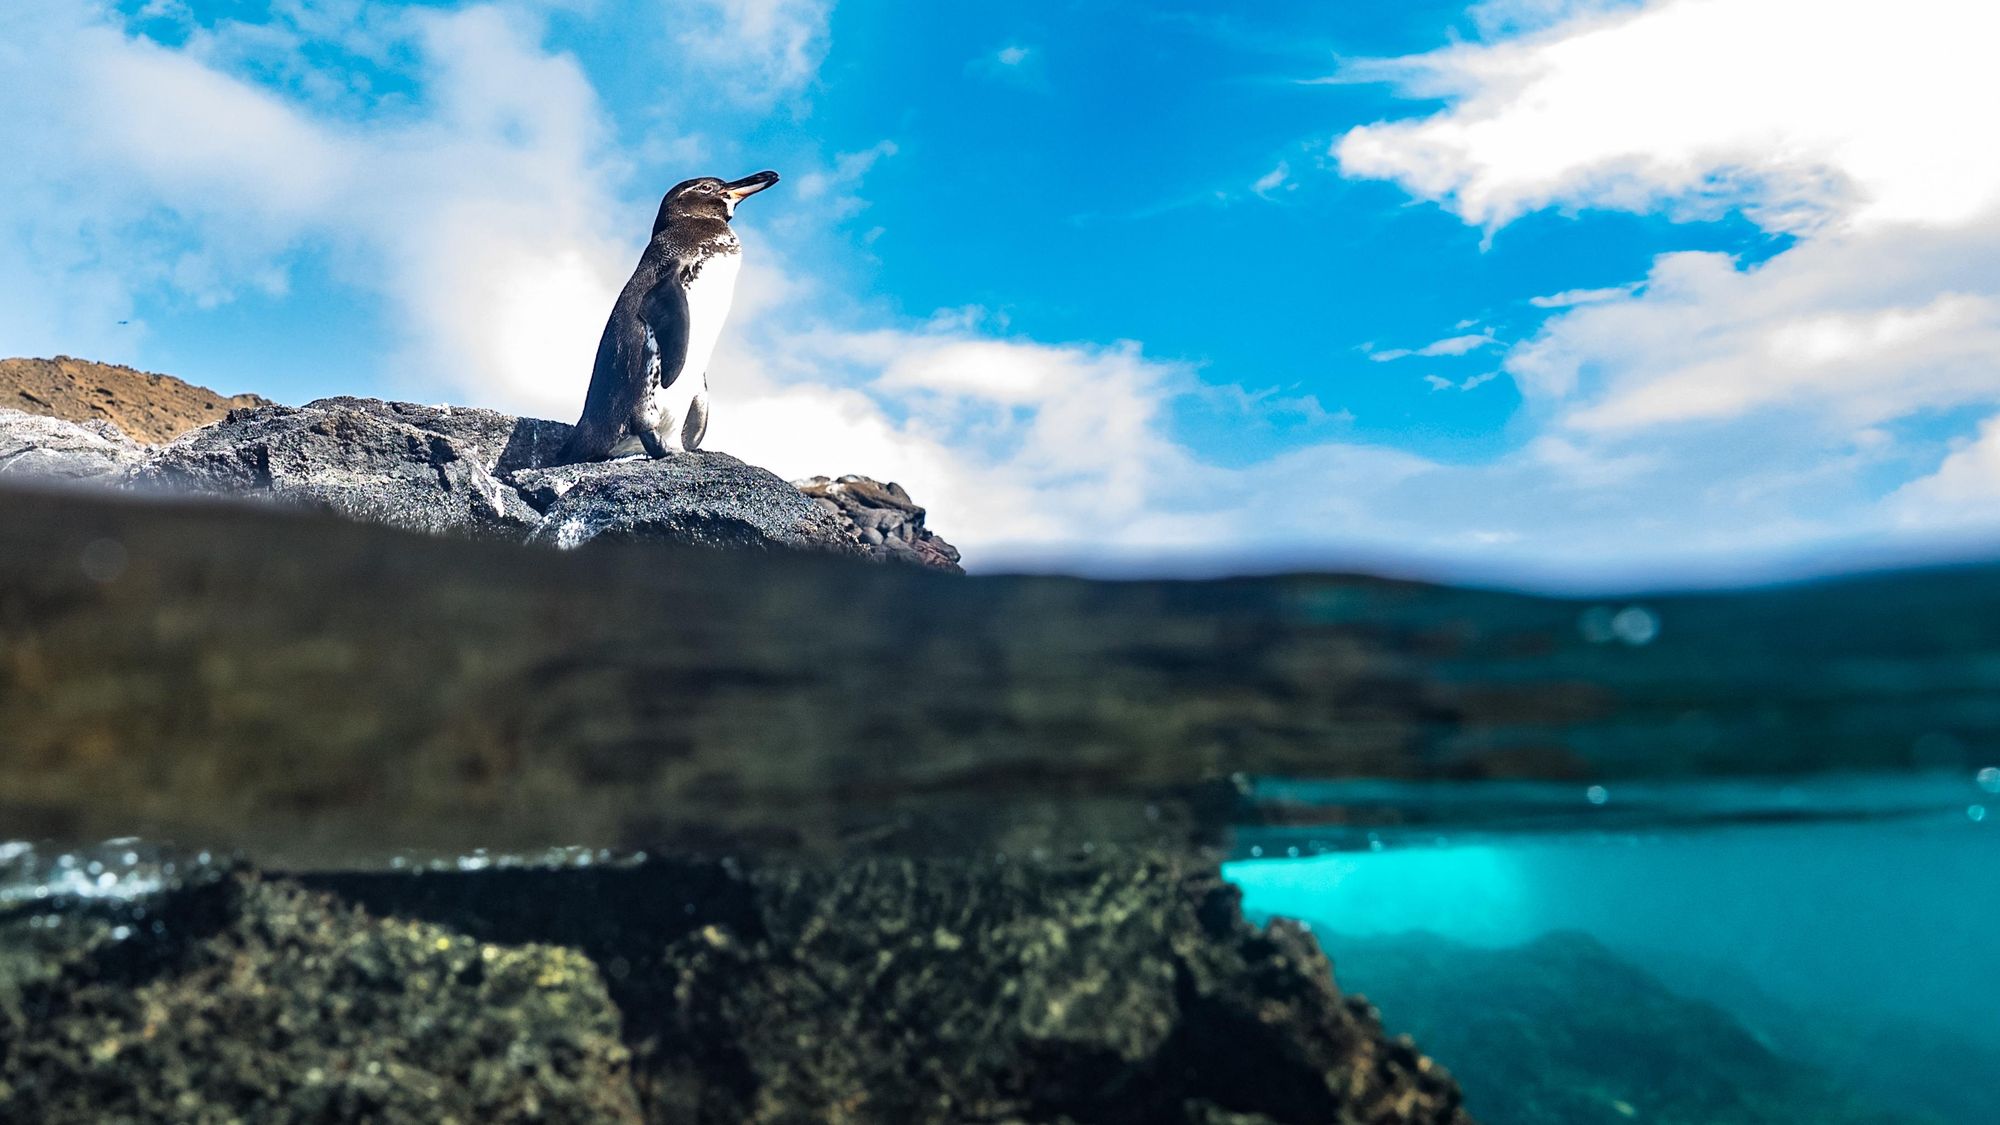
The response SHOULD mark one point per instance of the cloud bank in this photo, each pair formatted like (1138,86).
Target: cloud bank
(1853,128)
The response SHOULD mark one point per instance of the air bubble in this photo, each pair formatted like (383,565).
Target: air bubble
(1597,794)
(1988,779)
(1976,813)
(1635,626)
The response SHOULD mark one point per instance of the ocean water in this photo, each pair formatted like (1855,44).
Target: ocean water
(1575,961)
(1730,856)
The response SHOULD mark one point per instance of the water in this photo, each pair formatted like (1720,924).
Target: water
(1852,926)
(1720,857)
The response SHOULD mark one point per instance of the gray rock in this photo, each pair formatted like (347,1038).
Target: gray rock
(420,468)
(703,498)
(883,517)
(464,471)
(50,449)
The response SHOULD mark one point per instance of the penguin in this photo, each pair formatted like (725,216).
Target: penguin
(650,381)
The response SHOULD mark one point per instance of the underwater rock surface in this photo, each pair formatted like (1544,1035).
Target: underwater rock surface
(1111,989)
(242,999)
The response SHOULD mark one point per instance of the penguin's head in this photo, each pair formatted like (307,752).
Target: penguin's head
(706,197)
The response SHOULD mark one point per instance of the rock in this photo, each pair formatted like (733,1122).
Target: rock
(34,446)
(1123,987)
(246,1000)
(884,518)
(703,498)
(441,470)
(482,474)
(428,469)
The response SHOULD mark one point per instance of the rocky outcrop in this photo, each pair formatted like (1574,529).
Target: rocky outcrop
(706,499)
(883,517)
(480,474)
(1120,988)
(34,447)
(420,468)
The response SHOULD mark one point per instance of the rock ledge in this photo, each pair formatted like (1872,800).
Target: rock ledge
(481,474)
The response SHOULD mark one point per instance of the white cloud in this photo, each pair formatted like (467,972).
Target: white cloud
(1271,181)
(1450,345)
(1850,127)
(1569,297)
(482,214)
(1016,64)
(1470,382)
(760,50)
(1965,489)
(1706,103)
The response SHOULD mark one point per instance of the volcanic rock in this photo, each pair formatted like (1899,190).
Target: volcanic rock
(36,447)
(245,1000)
(1122,987)
(883,517)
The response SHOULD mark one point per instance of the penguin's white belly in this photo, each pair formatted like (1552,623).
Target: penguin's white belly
(709,294)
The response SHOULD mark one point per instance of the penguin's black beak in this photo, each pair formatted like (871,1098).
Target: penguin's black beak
(739,190)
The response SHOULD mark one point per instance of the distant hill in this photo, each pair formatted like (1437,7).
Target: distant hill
(147,407)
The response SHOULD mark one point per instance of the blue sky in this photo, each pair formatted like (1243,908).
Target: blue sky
(1530,290)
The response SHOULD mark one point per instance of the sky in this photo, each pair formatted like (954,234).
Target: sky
(1548,292)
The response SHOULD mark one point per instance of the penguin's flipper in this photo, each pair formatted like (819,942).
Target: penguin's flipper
(664,328)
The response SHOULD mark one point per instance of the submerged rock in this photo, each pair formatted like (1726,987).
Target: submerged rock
(1109,989)
(36,447)
(1119,988)
(245,1000)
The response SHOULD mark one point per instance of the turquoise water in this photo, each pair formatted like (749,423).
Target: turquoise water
(1849,926)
